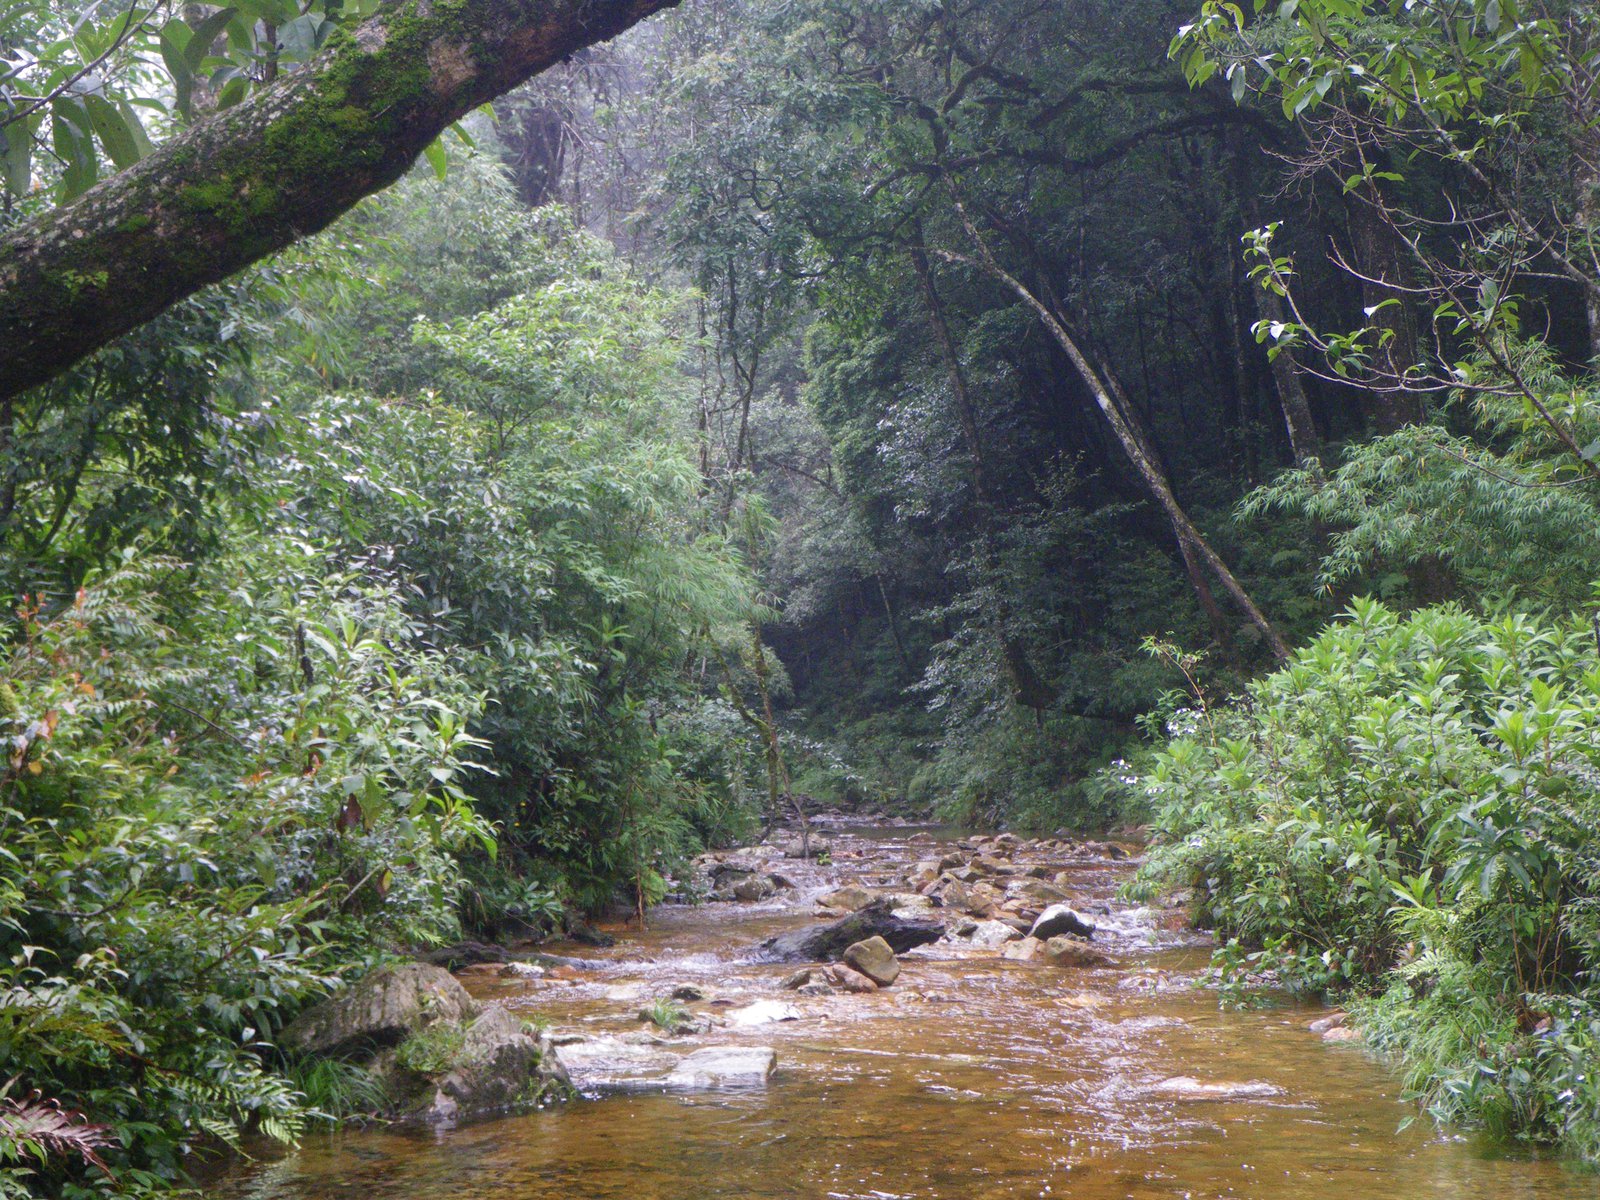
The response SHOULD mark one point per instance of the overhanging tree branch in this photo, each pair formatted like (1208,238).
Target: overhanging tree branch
(251,180)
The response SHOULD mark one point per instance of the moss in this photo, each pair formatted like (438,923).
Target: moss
(133,224)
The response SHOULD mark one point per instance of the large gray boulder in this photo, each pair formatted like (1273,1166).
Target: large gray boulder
(500,1065)
(380,1011)
(827,943)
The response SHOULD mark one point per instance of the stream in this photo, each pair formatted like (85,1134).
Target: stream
(973,1077)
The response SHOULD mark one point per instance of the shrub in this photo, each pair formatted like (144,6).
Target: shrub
(1405,812)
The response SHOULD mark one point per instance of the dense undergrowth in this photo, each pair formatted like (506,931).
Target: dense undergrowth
(437,635)
(1405,813)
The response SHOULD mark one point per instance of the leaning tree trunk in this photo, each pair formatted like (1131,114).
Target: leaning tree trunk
(248,181)
(1133,446)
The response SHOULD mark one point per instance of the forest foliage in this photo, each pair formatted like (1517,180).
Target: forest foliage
(963,407)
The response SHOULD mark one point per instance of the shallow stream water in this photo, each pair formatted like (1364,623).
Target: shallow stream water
(972,1078)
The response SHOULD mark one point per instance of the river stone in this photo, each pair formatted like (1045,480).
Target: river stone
(983,935)
(762,1012)
(828,942)
(1059,919)
(1037,891)
(1029,949)
(1332,1021)
(724,1067)
(815,847)
(1063,951)
(850,898)
(500,1065)
(1184,1087)
(848,979)
(611,1065)
(756,887)
(875,959)
(380,1010)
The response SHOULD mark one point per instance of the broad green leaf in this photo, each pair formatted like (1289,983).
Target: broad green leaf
(437,159)
(111,127)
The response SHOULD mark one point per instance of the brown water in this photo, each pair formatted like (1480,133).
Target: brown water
(973,1078)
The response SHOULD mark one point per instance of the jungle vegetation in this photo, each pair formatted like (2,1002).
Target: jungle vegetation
(1028,414)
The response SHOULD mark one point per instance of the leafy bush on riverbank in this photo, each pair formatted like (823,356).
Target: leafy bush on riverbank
(1406,812)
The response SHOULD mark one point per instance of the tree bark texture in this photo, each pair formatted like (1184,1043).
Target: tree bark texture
(249,181)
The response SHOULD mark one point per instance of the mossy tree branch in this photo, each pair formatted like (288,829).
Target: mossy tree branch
(251,180)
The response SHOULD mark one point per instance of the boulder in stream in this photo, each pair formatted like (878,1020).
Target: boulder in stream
(849,898)
(379,1011)
(723,1067)
(1063,951)
(874,959)
(828,942)
(1059,919)
(437,1053)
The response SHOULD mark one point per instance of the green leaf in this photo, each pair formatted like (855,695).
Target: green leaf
(73,142)
(174,38)
(16,154)
(111,127)
(437,159)
(205,35)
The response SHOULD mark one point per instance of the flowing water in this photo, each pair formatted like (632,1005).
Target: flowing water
(972,1078)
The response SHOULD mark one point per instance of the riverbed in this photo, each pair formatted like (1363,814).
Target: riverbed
(973,1077)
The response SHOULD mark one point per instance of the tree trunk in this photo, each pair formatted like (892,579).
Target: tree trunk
(1027,686)
(1378,257)
(1304,440)
(250,180)
(1138,454)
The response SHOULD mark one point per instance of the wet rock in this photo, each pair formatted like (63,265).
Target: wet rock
(754,888)
(1342,1033)
(1063,951)
(612,1065)
(578,931)
(801,978)
(500,1065)
(875,959)
(379,1011)
(1059,919)
(1184,1087)
(846,979)
(813,847)
(688,992)
(850,898)
(983,935)
(1027,950)
(724,1067)
(463,954)
(828,942)
(762,1012)
(1037,891)
(522,970)
(731,871)
(1333,1020)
